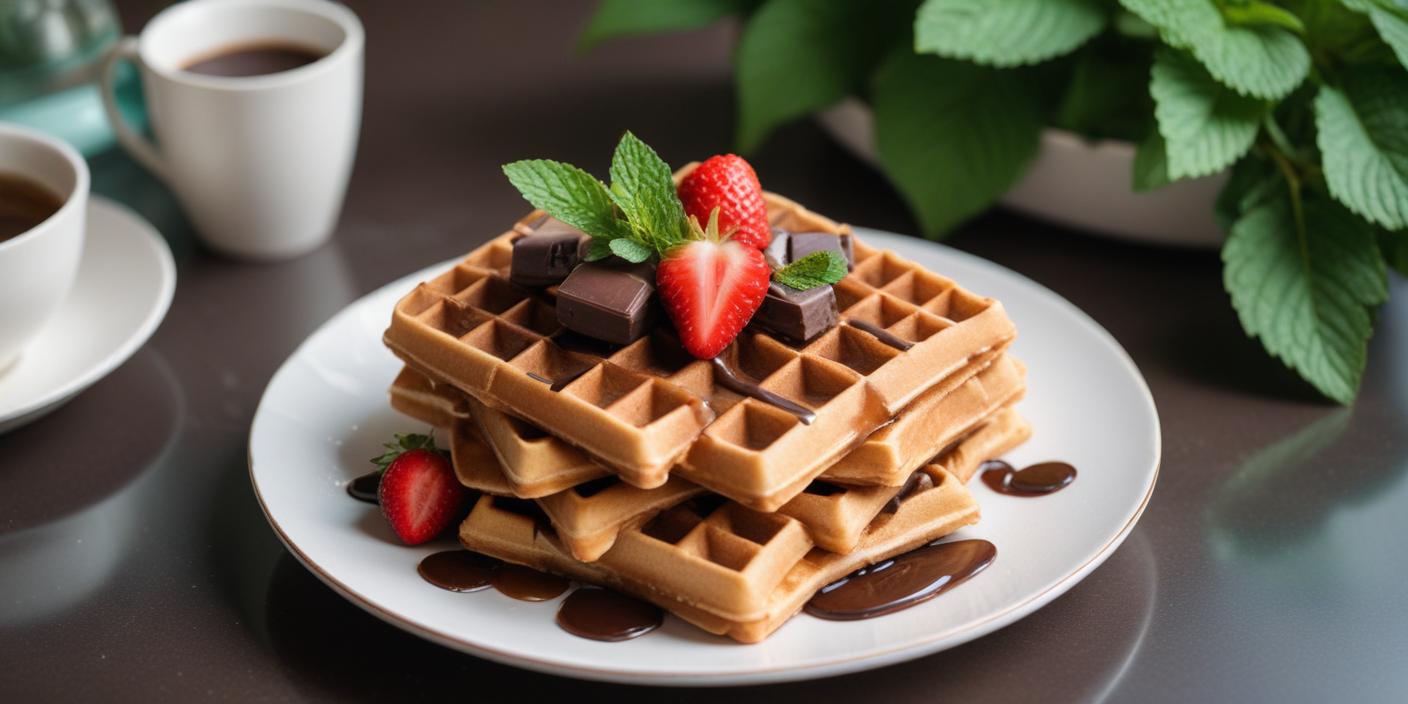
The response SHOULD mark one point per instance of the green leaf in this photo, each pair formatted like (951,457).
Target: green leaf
(1206,126)
(952,135)
(403,443)
(617,18)
(1151,163)
(796,56)
(1305,287)
(1363,137)
(1330,26)
(630,250)
(1395,249)
(1006,32)
(1255,12)
(821,268)
(1393,28)
(566,193)
(643,188)
(1098,100)
(599,249)
(1261,61)
(1253,181)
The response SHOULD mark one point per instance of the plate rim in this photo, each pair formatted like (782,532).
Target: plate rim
(140,334)
(892,654)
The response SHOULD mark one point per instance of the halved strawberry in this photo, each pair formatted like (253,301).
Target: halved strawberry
(711,286)
(727,182)
(419,493)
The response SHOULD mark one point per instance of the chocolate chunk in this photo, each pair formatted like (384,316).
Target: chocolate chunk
(608,300)
(803,243)
(548,255)
(797,315)
(776,251)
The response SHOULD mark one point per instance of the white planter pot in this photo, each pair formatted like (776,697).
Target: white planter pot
(1078,183)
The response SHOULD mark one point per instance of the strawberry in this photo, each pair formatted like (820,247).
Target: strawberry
(727,182)
(419,493)
(711,286)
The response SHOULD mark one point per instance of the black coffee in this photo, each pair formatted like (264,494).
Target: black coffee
(24,203)
(254,60)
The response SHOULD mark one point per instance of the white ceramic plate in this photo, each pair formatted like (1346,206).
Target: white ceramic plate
(325,412)
(124,287)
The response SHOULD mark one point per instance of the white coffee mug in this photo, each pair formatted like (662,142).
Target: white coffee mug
(260,163)
(38,266)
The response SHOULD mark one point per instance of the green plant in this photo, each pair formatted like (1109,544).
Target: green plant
(1304,102)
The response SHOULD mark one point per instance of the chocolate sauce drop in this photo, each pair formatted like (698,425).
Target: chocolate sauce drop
(912,578)
(527,584)
(458,570)
(602,614)
(1037,480)
(364,488)
(881,334)
(727,379)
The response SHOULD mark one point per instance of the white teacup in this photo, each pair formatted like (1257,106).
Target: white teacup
(260,163)
(38,266)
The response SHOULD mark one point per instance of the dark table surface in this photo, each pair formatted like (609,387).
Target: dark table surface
(135,563)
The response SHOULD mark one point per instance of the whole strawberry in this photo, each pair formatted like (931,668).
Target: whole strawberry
(711,286)
(727,182)
(419,493)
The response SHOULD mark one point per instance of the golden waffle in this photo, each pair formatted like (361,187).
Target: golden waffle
(644,407)
(726,569)
(417,396)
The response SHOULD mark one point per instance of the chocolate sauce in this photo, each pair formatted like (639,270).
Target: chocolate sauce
(602,614)
(898,584)
(880,334)
(727,379)
(1037,480)
(364,488)
(527,584)
(459,570)
(917,482)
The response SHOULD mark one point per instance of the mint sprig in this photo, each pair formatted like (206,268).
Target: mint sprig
(821,268)
(638,216)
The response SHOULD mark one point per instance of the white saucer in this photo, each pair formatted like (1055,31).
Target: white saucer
(125,283)
(325,412)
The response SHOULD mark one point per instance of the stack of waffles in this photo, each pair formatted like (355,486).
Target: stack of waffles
(637,468)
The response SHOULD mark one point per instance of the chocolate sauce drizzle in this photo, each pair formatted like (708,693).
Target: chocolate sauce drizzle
(1036,480)
(730,381)
(880,334)
(603,614)
(561,382)
(459,570)
(527,584)
(907,580)
(364,488)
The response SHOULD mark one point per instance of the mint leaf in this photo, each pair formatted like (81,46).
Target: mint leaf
(1151,163)
(1260,61)
(630,250)
(952,135)
(599,249)
(821,268)
(1006,32)
(1206,126)
(566,193)
(1256,12)
(617,18)
(644,189)
(1363,137)
(1305,287)
(1389,21)
(796,56)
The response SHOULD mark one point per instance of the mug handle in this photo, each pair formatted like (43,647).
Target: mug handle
(135,144)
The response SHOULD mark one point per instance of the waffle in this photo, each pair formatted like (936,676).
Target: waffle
(642,408)
(725,568)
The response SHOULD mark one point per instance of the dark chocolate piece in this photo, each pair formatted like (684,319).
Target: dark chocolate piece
(547,256)
(608,300)
(727,379)
(776,251)
(797,315)
(803,243)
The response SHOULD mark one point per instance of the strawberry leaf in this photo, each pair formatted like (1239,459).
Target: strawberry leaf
(402,444)
(821,268)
